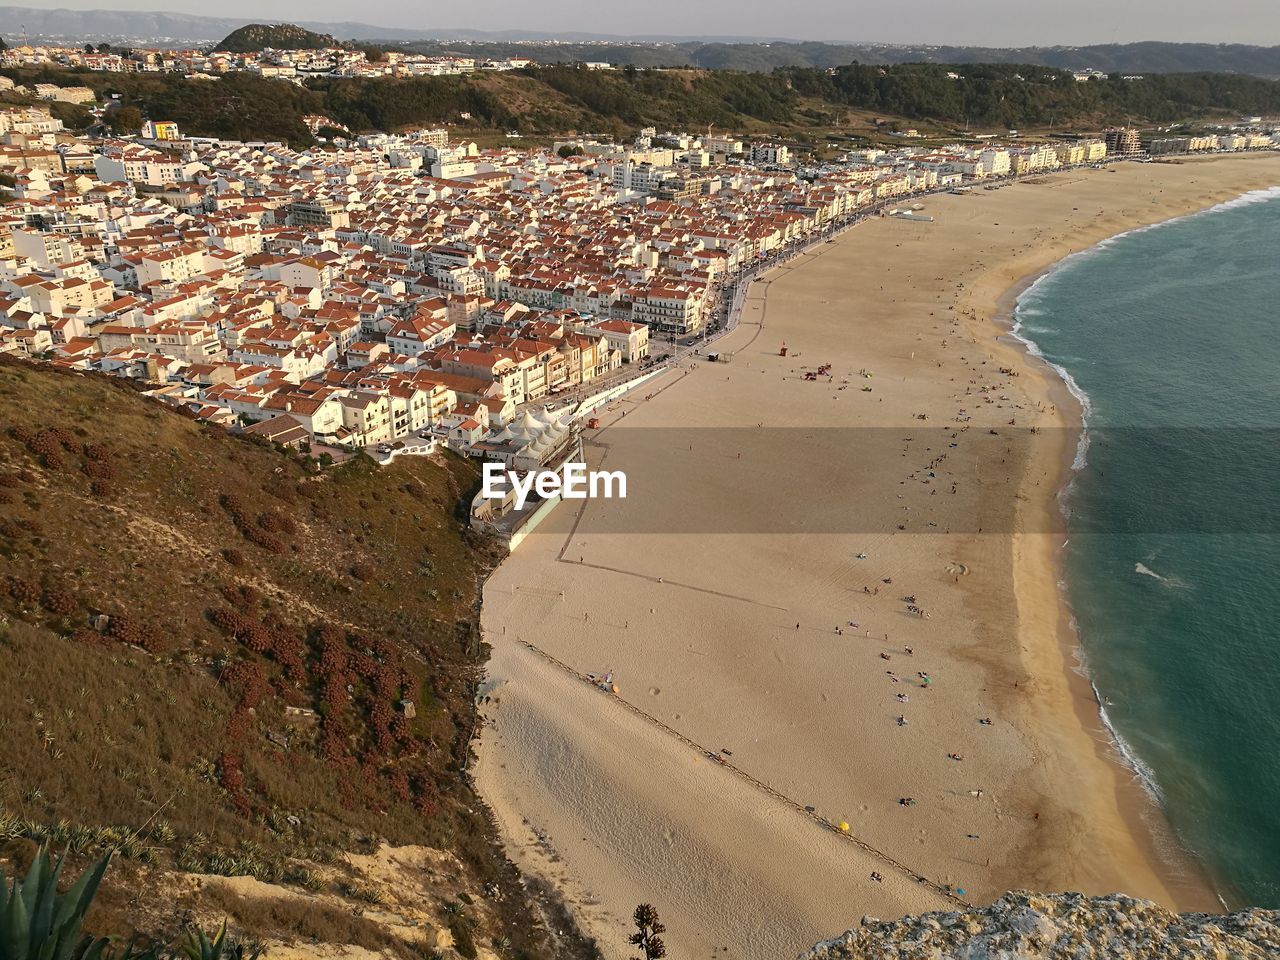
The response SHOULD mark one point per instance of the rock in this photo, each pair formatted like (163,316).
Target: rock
(440,939)
(1024,926)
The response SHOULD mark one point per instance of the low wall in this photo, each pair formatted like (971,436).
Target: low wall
(526,528)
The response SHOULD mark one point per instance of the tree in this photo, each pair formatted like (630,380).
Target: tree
(88,48)
(73,115)
(646,937)
(125,120)
(331,132)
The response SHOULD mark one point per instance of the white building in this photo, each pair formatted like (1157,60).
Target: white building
(770,154)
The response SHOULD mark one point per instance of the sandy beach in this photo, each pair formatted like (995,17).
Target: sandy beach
(821,600)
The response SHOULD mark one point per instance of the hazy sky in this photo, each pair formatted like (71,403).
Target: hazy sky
(984,22)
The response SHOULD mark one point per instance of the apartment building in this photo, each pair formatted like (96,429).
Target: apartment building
(1122,141)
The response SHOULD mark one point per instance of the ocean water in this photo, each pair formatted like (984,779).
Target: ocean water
(1170,335)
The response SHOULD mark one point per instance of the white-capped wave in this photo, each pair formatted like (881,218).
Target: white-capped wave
(1245,199)
(1086,405)
(1146,776)
(1166,579)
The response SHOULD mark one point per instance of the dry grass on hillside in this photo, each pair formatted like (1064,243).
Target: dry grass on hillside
(205,642)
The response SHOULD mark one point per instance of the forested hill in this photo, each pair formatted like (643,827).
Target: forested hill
(1022,95)
(1129,58)
(253,37)
(795,101)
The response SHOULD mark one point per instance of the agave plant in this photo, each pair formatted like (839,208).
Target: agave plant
(39,923)
(199,947)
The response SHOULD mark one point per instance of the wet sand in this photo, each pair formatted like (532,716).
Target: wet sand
(615,798)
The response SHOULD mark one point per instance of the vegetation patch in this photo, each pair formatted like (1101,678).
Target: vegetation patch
(191,676)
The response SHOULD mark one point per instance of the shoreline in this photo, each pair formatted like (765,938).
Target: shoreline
(1186,876)
(568,776)
(1188,879)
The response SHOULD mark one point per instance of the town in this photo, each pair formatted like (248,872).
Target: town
(398,291)
(604,482)
(277,64)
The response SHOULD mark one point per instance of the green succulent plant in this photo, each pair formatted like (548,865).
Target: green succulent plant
(39,923)
(198,946)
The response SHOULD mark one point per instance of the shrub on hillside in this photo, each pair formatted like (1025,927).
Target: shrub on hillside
(127,629)
(26,592)
(58,601)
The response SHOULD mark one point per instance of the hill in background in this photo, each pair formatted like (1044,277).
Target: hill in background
(254,37)
(252,677)
(725,52)
(1127,58)
(805,105)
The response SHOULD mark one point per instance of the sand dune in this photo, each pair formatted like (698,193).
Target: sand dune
(759,501)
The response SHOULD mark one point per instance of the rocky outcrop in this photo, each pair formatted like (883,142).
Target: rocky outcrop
(1028,926)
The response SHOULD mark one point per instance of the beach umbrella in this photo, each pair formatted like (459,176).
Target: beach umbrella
(844,826)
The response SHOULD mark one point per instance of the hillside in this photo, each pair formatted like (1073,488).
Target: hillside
(255,37)
(206,651)
(801,103)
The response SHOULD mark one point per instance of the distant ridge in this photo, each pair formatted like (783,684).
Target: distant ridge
(758,54)
(156,25)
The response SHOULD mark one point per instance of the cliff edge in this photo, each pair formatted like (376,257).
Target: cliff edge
(1027,926)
